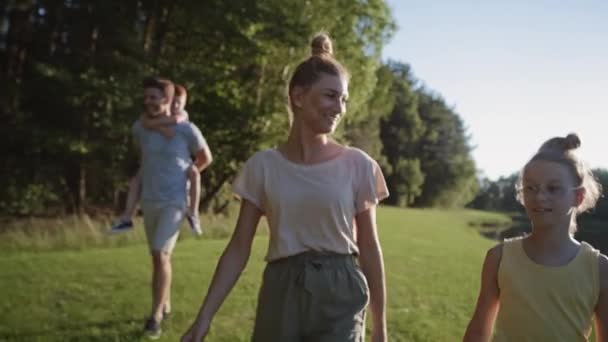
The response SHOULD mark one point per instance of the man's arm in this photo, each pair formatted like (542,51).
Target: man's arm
(199,148)
(203,158)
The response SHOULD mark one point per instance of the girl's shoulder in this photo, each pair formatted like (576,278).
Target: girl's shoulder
(507,248)
(494,254)
(491,263)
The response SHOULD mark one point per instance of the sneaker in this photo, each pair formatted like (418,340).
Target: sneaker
(195,224)
(152,329)
(121,226)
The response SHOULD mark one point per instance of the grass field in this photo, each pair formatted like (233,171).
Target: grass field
(432,257)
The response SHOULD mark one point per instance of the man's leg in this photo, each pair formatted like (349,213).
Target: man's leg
(152,214)
(163,242)
(161,282)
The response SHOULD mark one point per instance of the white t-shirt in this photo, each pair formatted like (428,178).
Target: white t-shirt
(311,207)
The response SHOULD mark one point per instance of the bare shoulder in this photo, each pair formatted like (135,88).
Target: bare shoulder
(489,272)
(495,253)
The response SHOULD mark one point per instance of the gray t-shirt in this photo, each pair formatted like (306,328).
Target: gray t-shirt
(165,161)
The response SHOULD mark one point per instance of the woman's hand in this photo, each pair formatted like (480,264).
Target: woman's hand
(197,332)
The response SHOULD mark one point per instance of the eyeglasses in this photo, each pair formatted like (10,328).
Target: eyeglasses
(551,191)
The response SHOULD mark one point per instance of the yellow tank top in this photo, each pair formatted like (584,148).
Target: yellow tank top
(541,303)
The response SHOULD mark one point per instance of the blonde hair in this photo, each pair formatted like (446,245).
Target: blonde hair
(321,61)
(561,150)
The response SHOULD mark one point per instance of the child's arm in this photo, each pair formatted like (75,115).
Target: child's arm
(481,325)
(161,123)
(155,122)
(601,309)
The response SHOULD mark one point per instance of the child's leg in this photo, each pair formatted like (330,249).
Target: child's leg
(132,197)
(194,177)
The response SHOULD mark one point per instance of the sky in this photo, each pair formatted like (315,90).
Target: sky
(516,71)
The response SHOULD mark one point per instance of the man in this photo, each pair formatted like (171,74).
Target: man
(164,165)
(164,125)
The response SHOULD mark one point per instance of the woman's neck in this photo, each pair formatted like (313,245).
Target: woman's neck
(304,146)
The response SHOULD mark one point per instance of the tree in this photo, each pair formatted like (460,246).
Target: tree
(446,161)
(401,132)
(71,71)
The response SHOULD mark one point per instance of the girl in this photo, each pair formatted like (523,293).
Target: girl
(313,192)
(546,286)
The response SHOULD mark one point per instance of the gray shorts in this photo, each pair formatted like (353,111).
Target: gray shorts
(162,222)
(312,297)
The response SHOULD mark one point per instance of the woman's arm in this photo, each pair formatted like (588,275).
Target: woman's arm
(372,265)
(482,323)
(228,270)
(601,309)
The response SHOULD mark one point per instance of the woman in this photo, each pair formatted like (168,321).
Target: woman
(321,271)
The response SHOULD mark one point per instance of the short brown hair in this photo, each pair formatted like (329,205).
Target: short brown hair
(162,84)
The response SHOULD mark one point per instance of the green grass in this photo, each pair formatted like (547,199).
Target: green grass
(432,257)
(80,233)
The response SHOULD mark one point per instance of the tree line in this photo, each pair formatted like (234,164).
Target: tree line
(70,73)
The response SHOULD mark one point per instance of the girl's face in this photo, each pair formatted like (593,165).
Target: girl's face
(549,192)
(179,102)
(321,106)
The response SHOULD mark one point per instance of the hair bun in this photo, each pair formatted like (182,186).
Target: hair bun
(561,144)
(321,45)
(572,141)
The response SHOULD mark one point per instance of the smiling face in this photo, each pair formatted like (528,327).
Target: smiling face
(550,194)
(321,106)
(155,102)
(178,105)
